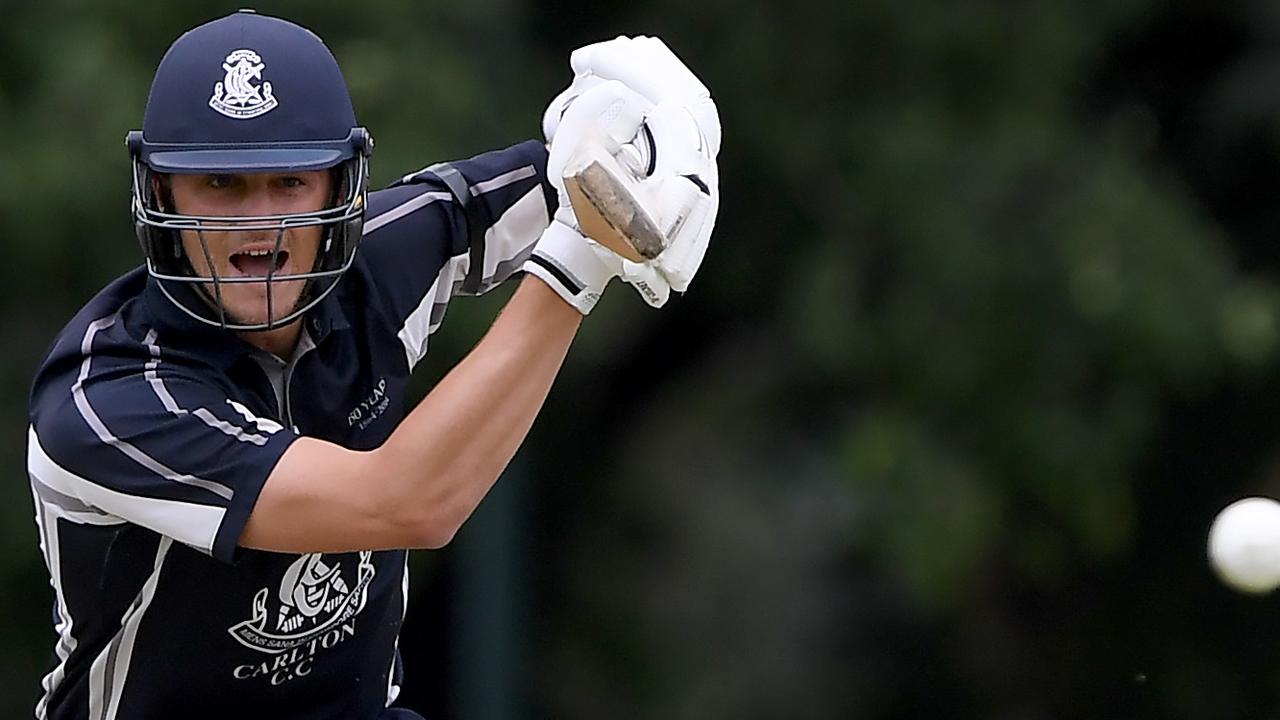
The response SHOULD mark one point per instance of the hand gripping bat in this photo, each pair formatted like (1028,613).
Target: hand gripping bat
(604,180)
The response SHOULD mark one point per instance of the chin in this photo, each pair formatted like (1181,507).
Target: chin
(253,310)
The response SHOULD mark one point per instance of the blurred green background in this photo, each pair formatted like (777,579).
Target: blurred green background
(987,335)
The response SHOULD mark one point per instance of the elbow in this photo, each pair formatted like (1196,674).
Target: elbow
(415,528)
(429,525)
(435,535)
(418,526)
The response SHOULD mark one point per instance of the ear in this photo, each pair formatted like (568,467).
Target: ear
(162,192)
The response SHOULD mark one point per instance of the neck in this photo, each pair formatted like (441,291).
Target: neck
(279,342)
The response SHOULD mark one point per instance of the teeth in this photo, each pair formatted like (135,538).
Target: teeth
(256,253)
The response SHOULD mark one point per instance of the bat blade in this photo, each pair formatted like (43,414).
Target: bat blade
(604,197)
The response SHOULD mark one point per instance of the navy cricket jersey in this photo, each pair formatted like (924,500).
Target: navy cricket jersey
(152,435)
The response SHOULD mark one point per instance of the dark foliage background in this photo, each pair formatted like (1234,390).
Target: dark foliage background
(987,335)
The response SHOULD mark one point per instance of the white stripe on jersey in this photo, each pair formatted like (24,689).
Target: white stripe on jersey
(191,523)
(404,208)
(503,180)
(110,668)
(424,320)
(203,414)
(393,690)
(66,507)
(510,241)
(100,429)
(50,545)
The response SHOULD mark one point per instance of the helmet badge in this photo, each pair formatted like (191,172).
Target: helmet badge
(235,96)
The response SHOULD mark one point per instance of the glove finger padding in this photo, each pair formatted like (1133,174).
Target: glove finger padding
(608,112)
(642,276)
(644,64)
(685,193)
(648,66)
(680,145)
(682,258)
(707,117)
(560,104)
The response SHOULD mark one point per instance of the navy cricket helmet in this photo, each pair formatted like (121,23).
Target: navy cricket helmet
(247,93)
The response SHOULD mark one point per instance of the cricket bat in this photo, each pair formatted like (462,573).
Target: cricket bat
(604,191)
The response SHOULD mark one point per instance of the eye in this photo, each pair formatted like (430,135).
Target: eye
(220,182)
(292,181)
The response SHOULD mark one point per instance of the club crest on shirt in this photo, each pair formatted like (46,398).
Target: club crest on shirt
(312,600)
(236,96)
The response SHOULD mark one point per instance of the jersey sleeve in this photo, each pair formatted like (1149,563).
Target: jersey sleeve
(150,447)
(456,228)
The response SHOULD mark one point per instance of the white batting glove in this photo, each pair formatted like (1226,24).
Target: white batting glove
(574,266)
(683,191)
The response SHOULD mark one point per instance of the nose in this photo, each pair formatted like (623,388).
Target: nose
(256,200)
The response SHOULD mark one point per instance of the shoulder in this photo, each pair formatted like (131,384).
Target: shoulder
(96,371)
(100,327)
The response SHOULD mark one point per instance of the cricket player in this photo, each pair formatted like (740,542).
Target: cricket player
(224,478)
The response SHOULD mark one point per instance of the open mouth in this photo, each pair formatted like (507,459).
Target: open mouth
(258,263)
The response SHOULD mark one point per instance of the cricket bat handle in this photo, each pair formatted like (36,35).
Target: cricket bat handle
(603,182)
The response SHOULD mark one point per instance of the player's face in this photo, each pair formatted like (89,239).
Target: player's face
(233,253)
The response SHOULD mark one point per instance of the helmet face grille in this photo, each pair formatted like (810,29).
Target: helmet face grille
(160,230)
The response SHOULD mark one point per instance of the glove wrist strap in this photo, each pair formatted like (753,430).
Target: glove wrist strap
(564,260)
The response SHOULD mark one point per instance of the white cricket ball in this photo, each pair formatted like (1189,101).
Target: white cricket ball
(1244,545)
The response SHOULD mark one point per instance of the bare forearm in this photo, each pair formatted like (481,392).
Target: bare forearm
(451,448)
(427,478)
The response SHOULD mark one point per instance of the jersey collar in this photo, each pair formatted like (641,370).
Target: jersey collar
(220,347)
